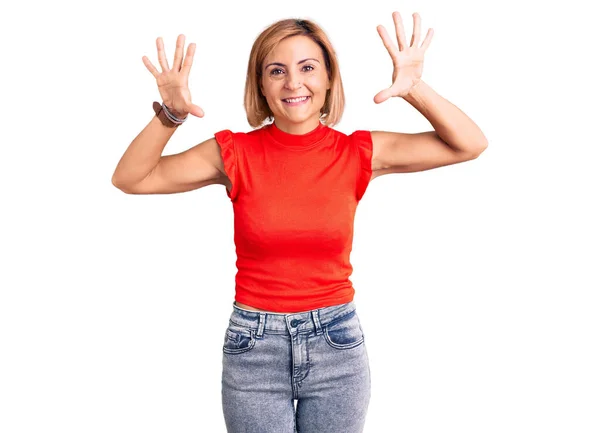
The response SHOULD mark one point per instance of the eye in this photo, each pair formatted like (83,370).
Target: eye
(279,69)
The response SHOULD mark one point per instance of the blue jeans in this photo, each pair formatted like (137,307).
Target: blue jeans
(316,357)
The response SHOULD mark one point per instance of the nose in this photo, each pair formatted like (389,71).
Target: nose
(292,81)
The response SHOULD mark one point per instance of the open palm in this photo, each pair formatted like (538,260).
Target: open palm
(173,82)
(407,59)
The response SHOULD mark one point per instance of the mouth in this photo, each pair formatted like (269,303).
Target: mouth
(296,101)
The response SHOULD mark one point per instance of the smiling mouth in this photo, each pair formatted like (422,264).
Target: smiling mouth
(296,101)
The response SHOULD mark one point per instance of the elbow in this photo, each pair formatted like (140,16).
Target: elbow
(115,182)
(121,187)
(479,149)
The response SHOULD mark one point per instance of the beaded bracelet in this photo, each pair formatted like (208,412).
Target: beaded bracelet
(172,117)
(165,116)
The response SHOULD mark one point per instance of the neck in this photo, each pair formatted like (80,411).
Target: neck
(297,128)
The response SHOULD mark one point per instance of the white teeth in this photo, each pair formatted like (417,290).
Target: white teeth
(296,99)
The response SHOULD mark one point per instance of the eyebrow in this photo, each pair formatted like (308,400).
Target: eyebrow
(281,64)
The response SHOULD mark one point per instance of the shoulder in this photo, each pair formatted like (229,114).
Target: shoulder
(231,138)
(233,145)
(361,139)
(356,135)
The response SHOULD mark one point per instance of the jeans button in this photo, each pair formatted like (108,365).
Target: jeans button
(294,323)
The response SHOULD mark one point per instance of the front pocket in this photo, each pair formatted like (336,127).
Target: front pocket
(238,339)
(344,332)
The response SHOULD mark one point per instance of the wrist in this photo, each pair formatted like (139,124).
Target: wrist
(166,117)
(413,93)
(176,114)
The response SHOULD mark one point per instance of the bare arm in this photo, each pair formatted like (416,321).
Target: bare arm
(142,155)
(142,169)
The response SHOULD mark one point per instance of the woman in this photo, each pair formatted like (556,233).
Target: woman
(294,182)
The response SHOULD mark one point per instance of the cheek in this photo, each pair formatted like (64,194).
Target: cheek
(318,84)
(270,91)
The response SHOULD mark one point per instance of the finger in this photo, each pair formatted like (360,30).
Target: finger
(427,40)
(416,36)
(150,66)
(387,41)
(400,36)
(189,58)
(162,58)
(178,52)
(196,111)
(382,96)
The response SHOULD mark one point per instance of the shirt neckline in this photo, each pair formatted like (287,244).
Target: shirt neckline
(297,141)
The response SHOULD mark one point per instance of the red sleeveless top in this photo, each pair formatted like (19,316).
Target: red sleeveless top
(294,199)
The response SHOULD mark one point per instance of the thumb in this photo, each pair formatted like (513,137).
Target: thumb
(382,96)
(196,110)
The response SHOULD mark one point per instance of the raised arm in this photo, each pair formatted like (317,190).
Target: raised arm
(456,138)
(142,169)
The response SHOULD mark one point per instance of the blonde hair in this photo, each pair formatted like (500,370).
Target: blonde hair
(257,109)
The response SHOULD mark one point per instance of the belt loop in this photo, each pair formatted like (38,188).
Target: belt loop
(315,317)
(261,324)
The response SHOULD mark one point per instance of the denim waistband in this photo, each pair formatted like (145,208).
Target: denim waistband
(293,322)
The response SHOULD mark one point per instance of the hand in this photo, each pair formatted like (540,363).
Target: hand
(173,83)
(408,60)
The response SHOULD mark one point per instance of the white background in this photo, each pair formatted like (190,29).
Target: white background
(476,284)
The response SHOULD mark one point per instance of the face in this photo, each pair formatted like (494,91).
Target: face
(295,67)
